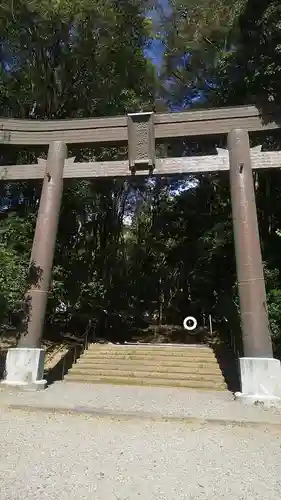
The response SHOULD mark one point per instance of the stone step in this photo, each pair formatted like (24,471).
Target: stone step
(144,365)
(168,365)
(150,348)
(163,358)
(116,380)
(142,345)
(134,373)
(153,351)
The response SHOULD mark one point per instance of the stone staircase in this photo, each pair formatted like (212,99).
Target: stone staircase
(151,365)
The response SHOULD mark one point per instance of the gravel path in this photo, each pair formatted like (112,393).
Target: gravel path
(79,457)
(153,401)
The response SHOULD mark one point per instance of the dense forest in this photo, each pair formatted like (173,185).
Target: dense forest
(132,253)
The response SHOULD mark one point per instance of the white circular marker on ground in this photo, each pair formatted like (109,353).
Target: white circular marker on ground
(187,320)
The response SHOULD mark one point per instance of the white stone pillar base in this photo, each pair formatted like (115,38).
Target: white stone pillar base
(260,381)
(25,368)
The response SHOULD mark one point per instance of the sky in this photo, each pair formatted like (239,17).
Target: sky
(155,53)
(156,50)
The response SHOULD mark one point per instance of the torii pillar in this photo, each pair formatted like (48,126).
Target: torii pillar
(260,373)
(25,363)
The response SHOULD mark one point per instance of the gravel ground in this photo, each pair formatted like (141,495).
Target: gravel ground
(155,401)
(79,457)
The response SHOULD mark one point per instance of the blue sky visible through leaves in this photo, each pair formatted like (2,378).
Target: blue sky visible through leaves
(155,53)
(156,50)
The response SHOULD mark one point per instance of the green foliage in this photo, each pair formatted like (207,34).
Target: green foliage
(73,59)
(16,234)
(255,66)
(199,36)
(13,274)
(274,310)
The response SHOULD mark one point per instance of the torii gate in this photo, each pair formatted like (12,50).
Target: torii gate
(260,372)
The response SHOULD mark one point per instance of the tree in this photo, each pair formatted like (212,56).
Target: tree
(227,53)
(198,36)
(61,60)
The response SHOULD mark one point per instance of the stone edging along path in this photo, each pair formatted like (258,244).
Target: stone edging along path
(142,416)
(145,403)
